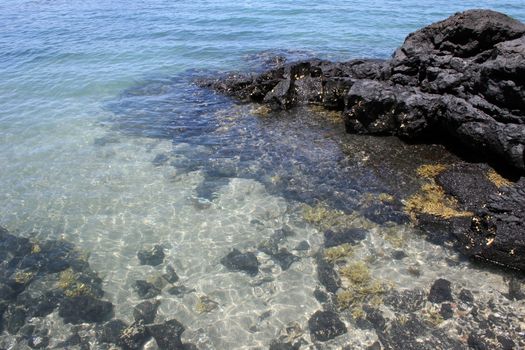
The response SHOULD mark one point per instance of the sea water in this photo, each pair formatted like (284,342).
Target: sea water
(107,143)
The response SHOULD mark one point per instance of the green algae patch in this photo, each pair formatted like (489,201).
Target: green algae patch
(338,253)
(71,286)
(497,179)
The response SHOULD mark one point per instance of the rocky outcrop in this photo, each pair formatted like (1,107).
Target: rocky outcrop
(459,82)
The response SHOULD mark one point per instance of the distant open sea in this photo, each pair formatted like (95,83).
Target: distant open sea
(105,142)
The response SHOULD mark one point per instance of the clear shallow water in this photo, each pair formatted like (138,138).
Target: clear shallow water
(92,93)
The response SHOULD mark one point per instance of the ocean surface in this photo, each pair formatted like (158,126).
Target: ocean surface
(106,142)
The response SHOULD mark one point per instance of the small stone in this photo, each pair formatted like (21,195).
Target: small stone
(111,331)
(440,291)
(170,275)
(303,245)
(180,290)
(506,343)
(466,296)
(399,255)
(475,342)
(327,276)
(167,334)
(152,257)
(134,336)
(353,235)
(84,308)
(325,325)
(446,311)
(321,296)
(515,292)
(245,262)
(285,259)
(146,311)
(145,290)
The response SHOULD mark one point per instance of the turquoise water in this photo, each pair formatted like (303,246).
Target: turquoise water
(92,92)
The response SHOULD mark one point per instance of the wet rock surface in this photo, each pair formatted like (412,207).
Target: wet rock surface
(325,325)
(245,262)
(457,82)
(153,256)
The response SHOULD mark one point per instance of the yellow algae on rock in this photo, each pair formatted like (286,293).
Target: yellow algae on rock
(497,179)
(431,170)
(361,287)
(24,277)
(357,273)
(431,199)
(71,286)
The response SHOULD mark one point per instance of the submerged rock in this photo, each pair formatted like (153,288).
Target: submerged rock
(352,236)
(327,275)
(134,336)
(325,325)
(146,311)
(284,258)
(111,331)
(167,334)
(153,256)
(245,262)
(85,308)
(440,291)
(458,82)
(145,290)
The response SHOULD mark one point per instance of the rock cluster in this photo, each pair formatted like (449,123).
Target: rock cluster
(459,82)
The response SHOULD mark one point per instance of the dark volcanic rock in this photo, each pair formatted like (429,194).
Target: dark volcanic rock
(440,291)
(170,275)
(145,290)
(153,256)
(353,235)
(84,308)
(497,233)
(111,331)
(134,336)
(146,311)
(237,261)
(167,335)
(327,276)
(284,258)
(325,325)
